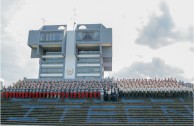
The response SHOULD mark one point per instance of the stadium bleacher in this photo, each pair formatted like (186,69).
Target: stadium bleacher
(98,102)
(134,111)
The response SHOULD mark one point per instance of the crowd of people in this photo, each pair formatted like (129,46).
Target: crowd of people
(106,89)
(153,88)
(58,89)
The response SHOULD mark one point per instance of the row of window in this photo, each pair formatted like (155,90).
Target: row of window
(51,70)
(53,53)
(89,52)
(87,60)
(55,77)
(88,70)
(87,35)
(52,61)
(87,77)
(51,36)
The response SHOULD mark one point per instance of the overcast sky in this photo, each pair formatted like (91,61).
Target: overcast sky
(151,38)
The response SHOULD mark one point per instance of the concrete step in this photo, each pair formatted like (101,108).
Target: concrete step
(141,112)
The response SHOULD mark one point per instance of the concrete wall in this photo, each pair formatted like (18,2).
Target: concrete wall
(106,51)
(106,35)
(34,37)
(107,57)
(34,53)
(39,52)
(70,56)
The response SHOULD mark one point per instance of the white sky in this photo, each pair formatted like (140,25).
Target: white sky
(127,18)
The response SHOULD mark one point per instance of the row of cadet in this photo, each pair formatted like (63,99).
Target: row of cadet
(155,93)
(47,93)
(60,89)
(139,84)
(150,83)
(153,88)
(144,81)
(106,94)
(101,94)
(110,90)
(63,84)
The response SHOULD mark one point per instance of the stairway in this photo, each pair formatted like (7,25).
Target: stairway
(136,111)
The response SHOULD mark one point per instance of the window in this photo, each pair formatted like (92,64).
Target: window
(88,36)
(51,36)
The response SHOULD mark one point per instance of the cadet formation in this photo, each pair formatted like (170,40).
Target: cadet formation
(108,90)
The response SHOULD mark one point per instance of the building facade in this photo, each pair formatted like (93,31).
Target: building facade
(85,52)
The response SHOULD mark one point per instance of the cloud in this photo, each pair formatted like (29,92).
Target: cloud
(1,80)
(8,9)
(15,59)
(157,68)
(161,31)
(4,83)
(15,54)
(191,49)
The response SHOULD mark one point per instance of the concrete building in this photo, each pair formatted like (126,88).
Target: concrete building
(85,52)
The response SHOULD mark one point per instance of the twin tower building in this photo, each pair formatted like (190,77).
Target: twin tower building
(85,52)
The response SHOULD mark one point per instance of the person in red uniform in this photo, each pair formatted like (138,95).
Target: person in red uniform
(30,93)
(79,93)
(14,92)
(86,93)
(82,93)
(26,93)
(62,93)
(44,93)
(19,93)
(91,93)
(98,91)
(37,91)
(7,93)
(67,92)
(51,93)
(58,93)
(23,92)
(55,93)
(10,92)
(95,93)
(33,93)
(47,92)
(74,93)
(71,93)
(40,93)
(3,93)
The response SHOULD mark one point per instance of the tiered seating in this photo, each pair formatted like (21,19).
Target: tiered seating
(88,102)
(134,111)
